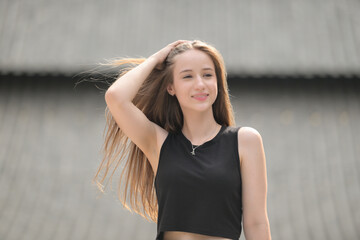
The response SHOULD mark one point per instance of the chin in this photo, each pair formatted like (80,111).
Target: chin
(197,107)
(202,109)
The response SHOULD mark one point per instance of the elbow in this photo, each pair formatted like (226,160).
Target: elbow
(258,220)
(108,95)
(112,97)
(256,225)
(260,230)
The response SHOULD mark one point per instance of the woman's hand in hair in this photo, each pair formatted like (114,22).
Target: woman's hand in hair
(161,55)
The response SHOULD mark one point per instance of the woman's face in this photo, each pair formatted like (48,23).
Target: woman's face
(195,83)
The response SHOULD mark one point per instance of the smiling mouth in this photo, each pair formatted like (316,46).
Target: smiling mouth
(200,96)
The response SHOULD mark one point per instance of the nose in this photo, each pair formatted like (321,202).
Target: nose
(199,83)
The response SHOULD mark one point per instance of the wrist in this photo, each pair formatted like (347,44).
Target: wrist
(153,60)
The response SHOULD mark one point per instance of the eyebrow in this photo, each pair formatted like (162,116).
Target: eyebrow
(189,70)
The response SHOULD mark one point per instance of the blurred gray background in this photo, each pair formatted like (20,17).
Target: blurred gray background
(294,75)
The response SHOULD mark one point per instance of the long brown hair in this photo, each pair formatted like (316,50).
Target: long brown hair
(164,110)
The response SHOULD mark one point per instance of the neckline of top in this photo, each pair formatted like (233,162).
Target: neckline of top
(207,142)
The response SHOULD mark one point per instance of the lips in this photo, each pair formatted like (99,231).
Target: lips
(201,97)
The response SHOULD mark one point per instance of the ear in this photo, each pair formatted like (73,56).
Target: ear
(170,89)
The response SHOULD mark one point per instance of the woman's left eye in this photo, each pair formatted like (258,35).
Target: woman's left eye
(208,75)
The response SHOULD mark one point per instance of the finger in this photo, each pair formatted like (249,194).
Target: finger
(178,42)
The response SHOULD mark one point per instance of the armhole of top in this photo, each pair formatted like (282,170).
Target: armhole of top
(237,149)
(161,153)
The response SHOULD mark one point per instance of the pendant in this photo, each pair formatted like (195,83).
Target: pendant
(193,149)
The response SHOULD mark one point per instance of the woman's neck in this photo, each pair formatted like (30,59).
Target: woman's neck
(200,127)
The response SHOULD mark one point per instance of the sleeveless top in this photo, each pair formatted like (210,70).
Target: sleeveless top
(200,193)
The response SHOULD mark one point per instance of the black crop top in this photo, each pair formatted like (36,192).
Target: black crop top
(200,193)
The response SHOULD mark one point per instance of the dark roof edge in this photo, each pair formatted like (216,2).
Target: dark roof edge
(84,74)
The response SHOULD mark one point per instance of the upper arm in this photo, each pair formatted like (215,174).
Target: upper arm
(253,172)
(133,122)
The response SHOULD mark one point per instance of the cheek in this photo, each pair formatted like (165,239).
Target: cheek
(182,86)
(179,92)
(214,86)
(215,90)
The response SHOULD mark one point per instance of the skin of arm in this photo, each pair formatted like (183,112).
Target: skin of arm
(254,184)
(124,89)
(132,121)
(128,117)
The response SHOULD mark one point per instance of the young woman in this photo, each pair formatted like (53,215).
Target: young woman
(170,120)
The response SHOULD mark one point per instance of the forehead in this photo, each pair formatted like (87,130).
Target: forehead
(192,59)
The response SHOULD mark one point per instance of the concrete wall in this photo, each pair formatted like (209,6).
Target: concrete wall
(51,134)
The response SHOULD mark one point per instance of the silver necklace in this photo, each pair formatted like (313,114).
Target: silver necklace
(193,149)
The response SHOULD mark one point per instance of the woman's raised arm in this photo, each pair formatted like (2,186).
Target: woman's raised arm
(131,120)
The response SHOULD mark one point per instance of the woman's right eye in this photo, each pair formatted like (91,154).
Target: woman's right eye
(187,76)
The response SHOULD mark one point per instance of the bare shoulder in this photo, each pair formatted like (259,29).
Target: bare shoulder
(249,142)
(248,135)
